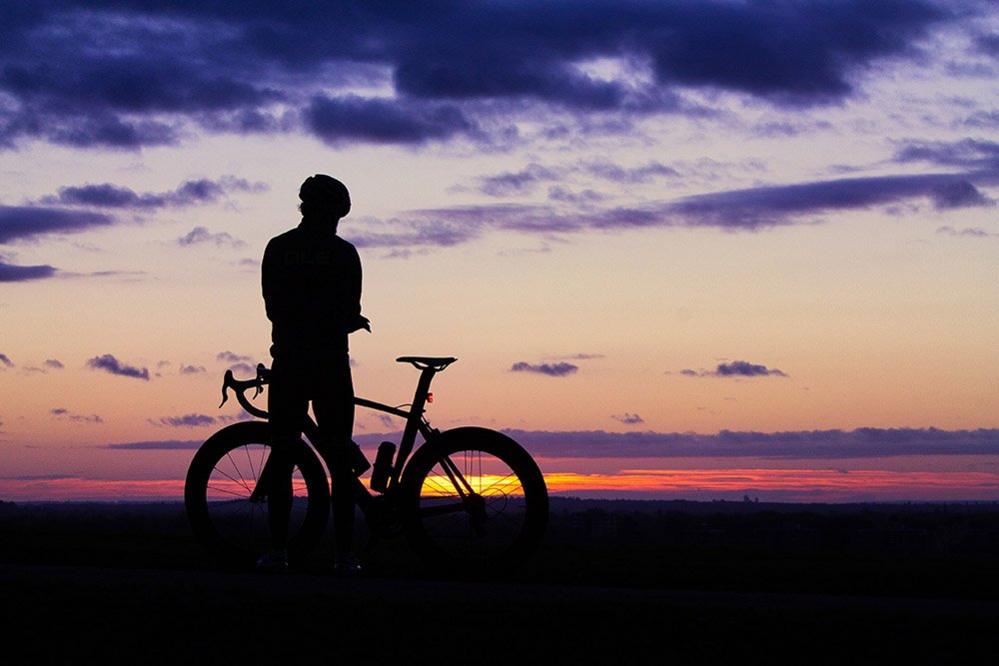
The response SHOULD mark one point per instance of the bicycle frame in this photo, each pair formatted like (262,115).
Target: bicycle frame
(416,423)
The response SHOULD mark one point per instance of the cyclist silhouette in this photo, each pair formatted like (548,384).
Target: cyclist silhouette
(312,292)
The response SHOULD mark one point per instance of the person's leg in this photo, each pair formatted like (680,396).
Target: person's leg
(334,408)
(286,407)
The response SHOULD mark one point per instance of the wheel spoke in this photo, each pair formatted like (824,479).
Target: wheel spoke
(240,527)
(246,450)
(236,467)
(484,525)
(233,479)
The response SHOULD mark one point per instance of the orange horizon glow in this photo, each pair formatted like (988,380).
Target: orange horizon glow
(782,484)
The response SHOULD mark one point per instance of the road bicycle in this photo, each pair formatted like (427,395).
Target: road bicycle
(468,499)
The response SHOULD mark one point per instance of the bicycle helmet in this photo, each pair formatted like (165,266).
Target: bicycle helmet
(325,191)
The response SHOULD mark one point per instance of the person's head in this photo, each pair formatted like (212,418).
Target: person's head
(323,199)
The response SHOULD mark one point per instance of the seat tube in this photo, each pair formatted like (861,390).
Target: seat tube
(412,423)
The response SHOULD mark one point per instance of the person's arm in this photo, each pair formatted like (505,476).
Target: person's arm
(354,315)
(271,278)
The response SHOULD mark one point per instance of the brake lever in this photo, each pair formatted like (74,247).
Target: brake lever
(225,387)
(259,388)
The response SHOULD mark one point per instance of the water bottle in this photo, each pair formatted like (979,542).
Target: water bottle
(358,461)
(383,467)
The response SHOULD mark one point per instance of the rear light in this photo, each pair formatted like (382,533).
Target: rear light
(430,397)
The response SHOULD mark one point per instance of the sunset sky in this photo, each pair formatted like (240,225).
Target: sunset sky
(681,249)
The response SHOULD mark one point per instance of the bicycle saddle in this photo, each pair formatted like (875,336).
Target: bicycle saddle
(438,363)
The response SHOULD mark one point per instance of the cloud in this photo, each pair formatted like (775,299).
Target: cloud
(12,273)
(23,222)
(769,206)
(188,193)
(735,369)
(187,421)
(974,232)
(550,369)
(808,444)
(982,119)
(968,153)
(582,198)
(750,209)
(525,181)
(516,182)
(351,118)
(109,363)
(746,369)
(582,356)
(159,445)
(201,235)
(640,174)
(231,357)
(191,369)
(988,44)
(5,361)
(417,233)
(219,68)
(62,412)
(54,363)
(243,369)
(628,419)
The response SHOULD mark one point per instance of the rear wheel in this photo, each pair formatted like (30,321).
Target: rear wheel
(225,513)
(476,502)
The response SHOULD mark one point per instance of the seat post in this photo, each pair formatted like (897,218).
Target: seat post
(412,423)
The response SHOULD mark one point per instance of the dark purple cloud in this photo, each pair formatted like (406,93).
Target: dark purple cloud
(809,444)
(14,273)
(22,222)
(109,363)
(188,193)
(153,68)
(187,421)
(54,363)
(628,418)
(352,118)
(750,209)
(746,369)
(988,44)
(975,154)
(5,361)
(735,369)
(191,369)
(550,369)
(769,206)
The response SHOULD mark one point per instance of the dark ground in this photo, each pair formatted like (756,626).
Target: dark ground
(672,582)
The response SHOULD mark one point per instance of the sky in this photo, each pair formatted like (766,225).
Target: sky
(681,249)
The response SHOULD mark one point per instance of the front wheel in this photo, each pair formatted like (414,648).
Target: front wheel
(476,502)
(227,510)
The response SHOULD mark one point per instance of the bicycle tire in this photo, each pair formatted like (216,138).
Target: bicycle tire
(219,525)
(443,540)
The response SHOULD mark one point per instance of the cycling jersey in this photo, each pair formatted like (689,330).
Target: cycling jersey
(312,291)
